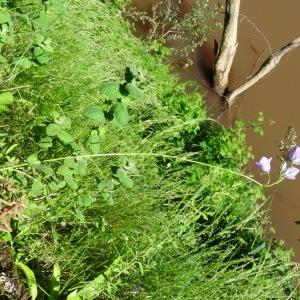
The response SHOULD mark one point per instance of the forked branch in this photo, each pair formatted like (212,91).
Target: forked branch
(266,68)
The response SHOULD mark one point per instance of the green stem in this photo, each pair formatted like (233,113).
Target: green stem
(138,154)
(274,183)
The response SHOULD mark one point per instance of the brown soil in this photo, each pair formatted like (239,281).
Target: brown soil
(11,287)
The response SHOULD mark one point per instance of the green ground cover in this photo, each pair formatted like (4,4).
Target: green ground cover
(128,189)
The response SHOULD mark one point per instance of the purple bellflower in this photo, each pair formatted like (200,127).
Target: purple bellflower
(289,173)
(294,155)
(264,164)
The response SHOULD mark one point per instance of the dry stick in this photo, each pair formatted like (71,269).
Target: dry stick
(228,47)
(266,68)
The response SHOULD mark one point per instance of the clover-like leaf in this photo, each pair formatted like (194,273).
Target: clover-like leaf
(94,142)
(94,113)
(121,114)
(135,93)
(111,90)
(52,129)
(65,137)
(45,142)
(124,178)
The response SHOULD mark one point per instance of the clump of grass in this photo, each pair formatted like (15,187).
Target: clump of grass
(105,139)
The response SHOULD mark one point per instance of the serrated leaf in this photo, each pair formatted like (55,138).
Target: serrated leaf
(52,129)
(94,142)
(94,113)
(30,278)
(45,142)
(124,178)
(121,114)
(111,90)
(43,21)
(6,98)
(65,137)
(135,93)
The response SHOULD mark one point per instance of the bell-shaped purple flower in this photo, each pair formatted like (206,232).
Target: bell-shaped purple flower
(291,173)
(264,164)
(294,155)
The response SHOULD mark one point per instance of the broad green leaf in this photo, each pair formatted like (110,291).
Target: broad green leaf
(94,142)
(39,38)
(65,171)
(43,21)
(3,108)
(134,92)
(5,17)
(24,63)
(33,160)
(6,98)
(53,186)
(79,214)
(92,289)
(94,113)
(61,184)
(111,90)
(70,163)
(71,182)
(68,173)
(45,142)
(52,129)
(24,18)
(57,5)
(41,56)
(81,168)
(30,278)
(64,122)
(121,114)
(65,137)
(46,46)
(73,296)
(55,282)
(37,188)
(85,200)
(124,178)
(46,169)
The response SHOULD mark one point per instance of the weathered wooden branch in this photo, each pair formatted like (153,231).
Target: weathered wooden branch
(228,47)
(266,68)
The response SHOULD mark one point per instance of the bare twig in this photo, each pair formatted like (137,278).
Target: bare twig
(265,69)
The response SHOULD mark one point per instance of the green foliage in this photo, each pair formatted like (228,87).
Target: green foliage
(168,22)
(97,144)
(30,278)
